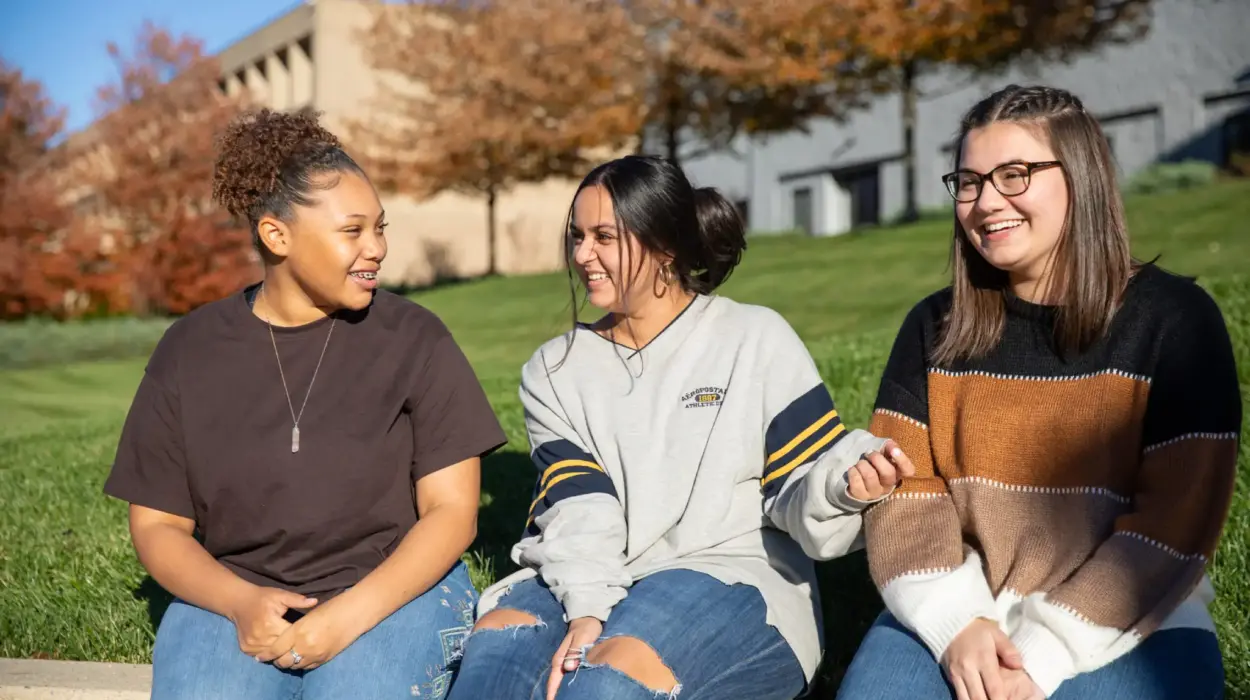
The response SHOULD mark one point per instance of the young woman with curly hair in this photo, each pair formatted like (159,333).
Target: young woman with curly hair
(302,457)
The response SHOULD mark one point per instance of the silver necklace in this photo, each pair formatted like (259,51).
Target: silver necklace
(294,418)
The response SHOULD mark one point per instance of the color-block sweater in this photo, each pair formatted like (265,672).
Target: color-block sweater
(1076,502)
(715,448)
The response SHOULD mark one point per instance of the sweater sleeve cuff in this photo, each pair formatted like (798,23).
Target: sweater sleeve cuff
(938,606)
(1046,658)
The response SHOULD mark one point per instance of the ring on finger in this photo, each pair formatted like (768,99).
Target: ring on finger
(295,657)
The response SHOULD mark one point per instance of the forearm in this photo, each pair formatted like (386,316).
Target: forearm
(422,559)
(929,580)
(183,567)
(814,505)
(579,552)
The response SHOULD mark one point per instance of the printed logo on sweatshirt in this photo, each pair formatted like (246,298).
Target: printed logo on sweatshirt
(703,397)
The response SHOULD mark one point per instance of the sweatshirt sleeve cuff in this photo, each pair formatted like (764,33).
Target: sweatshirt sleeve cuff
(598,606)
(838,493)
(840,460)
(1046,658)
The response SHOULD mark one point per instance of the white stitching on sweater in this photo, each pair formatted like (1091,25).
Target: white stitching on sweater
(915,495)
(901,416)
(1190,436)
(1050,490)
(1175,553)
(1035,378)
(919,572)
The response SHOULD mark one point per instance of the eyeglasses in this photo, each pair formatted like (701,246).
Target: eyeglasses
(1010,179)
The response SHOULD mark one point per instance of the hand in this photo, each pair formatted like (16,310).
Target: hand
(257,617)
(582,632)
(317,637)
(973,659)
(874,476)
(1019,685)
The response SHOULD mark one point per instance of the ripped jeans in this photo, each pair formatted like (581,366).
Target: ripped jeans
(712,637)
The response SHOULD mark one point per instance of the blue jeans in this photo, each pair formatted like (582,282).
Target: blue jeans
(892,663)
(712,637)
(407,655)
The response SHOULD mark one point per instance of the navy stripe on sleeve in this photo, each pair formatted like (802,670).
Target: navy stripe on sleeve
(800,433)
(564,471)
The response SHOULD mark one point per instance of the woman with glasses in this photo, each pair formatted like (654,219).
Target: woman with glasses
(1073,418)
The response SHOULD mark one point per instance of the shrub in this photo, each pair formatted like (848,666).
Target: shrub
(1170,177)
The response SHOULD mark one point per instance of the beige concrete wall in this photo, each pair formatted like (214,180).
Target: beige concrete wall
(445,235)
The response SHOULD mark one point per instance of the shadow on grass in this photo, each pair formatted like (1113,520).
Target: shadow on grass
(850,603)
(156,598)
(508,479)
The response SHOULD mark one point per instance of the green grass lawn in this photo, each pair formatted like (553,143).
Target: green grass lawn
(70,586)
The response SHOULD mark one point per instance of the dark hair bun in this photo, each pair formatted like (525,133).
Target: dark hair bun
(255,149)
(724,239)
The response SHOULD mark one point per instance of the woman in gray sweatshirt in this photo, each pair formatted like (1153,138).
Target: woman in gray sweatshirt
(691,464)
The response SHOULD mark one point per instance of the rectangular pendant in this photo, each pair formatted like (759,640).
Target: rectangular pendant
(295,439)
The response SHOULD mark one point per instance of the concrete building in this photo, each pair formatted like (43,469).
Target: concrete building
(311,56)
(1181,92)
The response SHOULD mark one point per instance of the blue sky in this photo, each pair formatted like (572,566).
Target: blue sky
(62,42)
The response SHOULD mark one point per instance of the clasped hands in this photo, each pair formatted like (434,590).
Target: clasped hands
(983,664)
(317,637)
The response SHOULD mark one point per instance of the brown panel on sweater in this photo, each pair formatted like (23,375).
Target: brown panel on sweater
(1032,540)
(913,438)
(1186,487)
(895,543)
(1038,432)
(1131,584)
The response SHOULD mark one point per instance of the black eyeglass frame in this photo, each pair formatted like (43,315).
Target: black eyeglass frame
(950,179)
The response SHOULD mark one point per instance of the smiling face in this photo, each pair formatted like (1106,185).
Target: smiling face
(1017,233)
(333,248)
(618,273)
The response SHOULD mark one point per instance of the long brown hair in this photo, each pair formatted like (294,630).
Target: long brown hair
(1091,264)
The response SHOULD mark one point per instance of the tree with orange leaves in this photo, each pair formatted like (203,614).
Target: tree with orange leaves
(151,167)
(480,97)
(483,95)
(48,265)
(711,70)
(896,41)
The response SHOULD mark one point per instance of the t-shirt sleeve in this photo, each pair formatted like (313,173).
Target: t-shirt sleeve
(150,467)
(452,419)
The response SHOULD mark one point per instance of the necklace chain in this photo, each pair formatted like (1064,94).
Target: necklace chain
(295,418)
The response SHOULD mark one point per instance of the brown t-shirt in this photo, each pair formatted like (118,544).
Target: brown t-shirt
(208,436)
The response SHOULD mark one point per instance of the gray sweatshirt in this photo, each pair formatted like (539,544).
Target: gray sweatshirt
(716,448)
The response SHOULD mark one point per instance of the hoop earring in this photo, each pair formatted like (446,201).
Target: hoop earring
(667,275)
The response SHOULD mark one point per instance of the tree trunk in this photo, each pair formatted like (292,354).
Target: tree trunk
(672,115)
(910,211)
(671,142)
(491,264)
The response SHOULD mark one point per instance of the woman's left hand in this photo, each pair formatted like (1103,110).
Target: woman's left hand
(875,475)
(583,632)
(317,637)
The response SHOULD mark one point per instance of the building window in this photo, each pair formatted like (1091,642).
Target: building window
(803,209)
(1237,140)
(744,210)
(863,186)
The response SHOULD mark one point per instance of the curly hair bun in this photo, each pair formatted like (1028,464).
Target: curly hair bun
(256,148)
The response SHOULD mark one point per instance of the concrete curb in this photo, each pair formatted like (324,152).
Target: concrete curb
(28,679)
